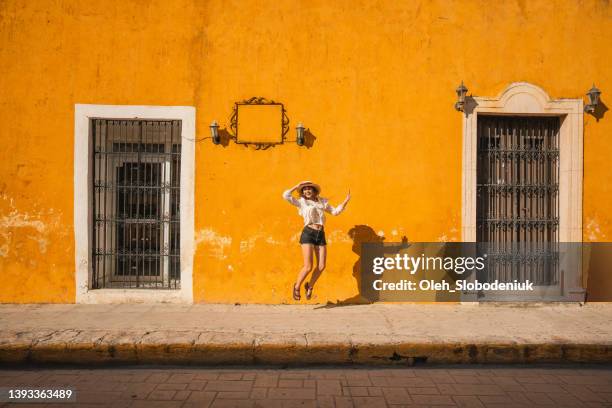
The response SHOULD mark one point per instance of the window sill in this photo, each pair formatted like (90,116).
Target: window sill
(117,295)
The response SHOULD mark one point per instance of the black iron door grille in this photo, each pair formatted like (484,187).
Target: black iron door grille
(136,191)
(518,197)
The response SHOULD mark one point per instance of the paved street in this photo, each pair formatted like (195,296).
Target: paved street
(461,386)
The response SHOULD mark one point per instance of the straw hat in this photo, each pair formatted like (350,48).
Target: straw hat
(309,183)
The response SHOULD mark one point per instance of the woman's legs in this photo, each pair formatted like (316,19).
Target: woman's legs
(321,252)
(307,250)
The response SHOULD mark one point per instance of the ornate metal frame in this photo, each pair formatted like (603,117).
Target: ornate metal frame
(258,100)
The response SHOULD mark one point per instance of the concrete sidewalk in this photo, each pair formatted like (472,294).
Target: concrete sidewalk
(288,334)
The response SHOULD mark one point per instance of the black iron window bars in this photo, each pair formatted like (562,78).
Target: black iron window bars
(518,197)
(136,197)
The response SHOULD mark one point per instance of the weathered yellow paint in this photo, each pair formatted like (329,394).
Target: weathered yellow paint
(373,81)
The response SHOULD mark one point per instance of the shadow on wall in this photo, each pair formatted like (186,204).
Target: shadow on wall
(597,268)
(600,110)
(365,234)
(309,138)
(224,137)
(469,105)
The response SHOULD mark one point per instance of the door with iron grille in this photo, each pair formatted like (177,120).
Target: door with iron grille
(518,198)
(136,184)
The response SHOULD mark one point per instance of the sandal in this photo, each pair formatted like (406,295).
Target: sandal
(308,290)
(296,293)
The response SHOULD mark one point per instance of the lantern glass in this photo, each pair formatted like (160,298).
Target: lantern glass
(461,92)
(300,134)
(214,132)
(594,95)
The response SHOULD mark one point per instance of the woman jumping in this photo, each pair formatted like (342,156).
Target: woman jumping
(311,208)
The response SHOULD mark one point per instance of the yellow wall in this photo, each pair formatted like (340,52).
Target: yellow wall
(373,80)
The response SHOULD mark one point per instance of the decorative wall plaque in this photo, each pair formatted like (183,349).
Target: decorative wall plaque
(259,121)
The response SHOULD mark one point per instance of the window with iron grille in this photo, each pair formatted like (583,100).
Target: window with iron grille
(518,197)
(136,190)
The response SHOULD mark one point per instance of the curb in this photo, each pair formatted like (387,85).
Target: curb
(188,348)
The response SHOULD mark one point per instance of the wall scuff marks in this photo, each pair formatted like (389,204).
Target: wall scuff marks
(593,231)
(35,227)
(215,243)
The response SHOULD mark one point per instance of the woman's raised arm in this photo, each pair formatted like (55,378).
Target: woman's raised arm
(287,195)
(337,210)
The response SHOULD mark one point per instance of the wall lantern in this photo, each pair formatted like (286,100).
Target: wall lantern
(461,92)
(299,134)
(593,95)
(214,132)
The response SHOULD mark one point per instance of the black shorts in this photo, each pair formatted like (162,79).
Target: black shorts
(312,236)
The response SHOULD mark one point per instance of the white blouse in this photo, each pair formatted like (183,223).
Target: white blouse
(313,211)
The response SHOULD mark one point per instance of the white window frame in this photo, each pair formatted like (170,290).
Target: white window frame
(83,201)
(525,99)
(522,98)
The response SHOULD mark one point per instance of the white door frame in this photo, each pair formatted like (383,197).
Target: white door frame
(525,99)
(521,98)
(83,194)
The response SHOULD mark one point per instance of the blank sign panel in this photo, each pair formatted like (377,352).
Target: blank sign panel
(260,123)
